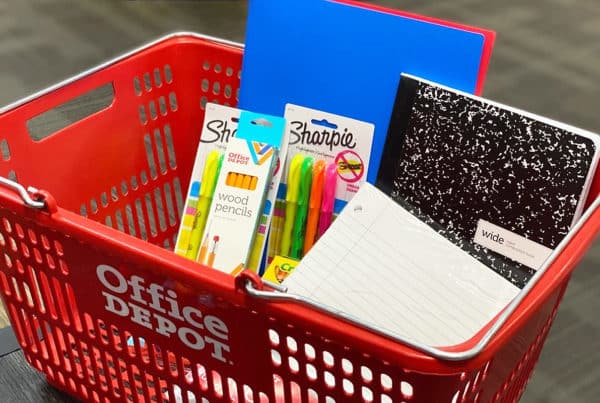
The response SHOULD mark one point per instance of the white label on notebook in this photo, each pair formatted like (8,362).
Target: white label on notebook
(511,245)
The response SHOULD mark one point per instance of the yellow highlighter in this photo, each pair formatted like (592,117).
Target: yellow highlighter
(212,166)
(291,204)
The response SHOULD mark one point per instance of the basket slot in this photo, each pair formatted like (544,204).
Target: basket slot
(70,112)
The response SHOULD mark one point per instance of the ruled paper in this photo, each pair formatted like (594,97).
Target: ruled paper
(379,263)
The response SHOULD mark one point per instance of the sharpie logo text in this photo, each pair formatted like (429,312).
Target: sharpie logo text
(300,134)
(218,131)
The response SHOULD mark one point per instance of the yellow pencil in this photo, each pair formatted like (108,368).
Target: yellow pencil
(253,183)
(239,180)
(238,269)
(213,252)
(230,180)
(246,181)
(203,250)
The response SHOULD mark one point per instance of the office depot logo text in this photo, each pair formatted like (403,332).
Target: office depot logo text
(157,308)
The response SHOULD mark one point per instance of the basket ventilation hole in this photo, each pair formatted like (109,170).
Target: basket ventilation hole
(150,214)
(217,384)
(348,387)
(162,105)
(162,162)
(328,359)
(130,220)
(173,101)
(12,175)
(157,78)
(160,210)
(94,206)
(170,147)
(147,82)
(367,374)
(309,352)
(140,219)
(178,196)
(173,216)
(143,117)
(292,345)
(150,155)
(137,87)
(119,217)
(5,150)
(168,74)
(152,109)
(386,399)
(293,365)
(407,390)
(274,337)
(386,382)
(329,379)
(114,194)
(367,394)
(311,372)
(134,182)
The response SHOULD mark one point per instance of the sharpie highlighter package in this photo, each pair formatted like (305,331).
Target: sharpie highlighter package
(240,193)
(327,161)
(220,125)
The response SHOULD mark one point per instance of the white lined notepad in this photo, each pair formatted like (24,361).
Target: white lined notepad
(379,263)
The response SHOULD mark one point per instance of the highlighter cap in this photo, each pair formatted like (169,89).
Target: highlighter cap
(330,187)
(318,181)
(293,181)
(209,176)
(305,180)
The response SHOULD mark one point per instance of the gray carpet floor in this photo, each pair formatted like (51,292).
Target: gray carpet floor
(545,60)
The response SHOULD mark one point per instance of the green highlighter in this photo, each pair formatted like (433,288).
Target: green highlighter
(291,204)
(306,175)
(212,167)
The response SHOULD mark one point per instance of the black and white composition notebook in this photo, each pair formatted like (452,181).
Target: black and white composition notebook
(502,184)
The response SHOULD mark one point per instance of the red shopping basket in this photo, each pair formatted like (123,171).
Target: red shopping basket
(108,313)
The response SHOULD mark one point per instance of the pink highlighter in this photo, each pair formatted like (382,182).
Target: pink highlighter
(330,185)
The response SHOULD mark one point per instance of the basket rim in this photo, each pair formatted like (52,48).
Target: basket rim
(115,60)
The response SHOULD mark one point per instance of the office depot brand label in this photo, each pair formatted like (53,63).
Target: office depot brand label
(159,309)
(511,245)
(331,138)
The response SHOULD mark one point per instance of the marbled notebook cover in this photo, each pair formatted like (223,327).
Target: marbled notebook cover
(453,159)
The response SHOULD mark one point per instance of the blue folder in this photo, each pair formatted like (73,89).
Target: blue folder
(347,60)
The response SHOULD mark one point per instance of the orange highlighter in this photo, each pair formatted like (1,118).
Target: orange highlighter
(328,198)
(314,205)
